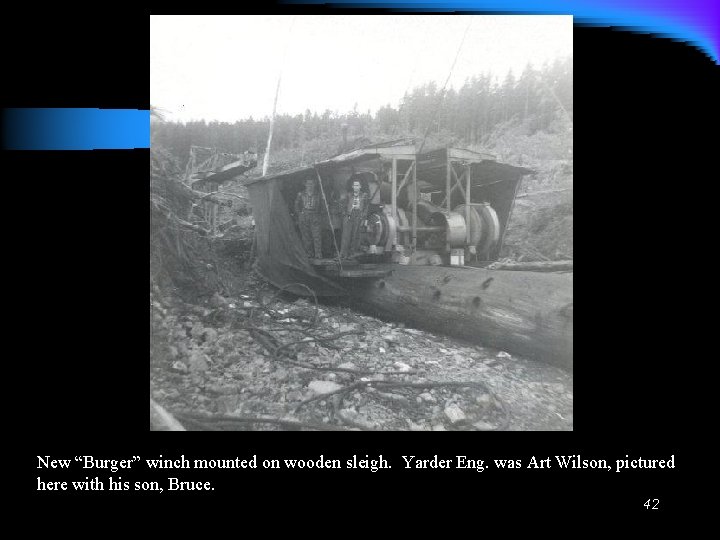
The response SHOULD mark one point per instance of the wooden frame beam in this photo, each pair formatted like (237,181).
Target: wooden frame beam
(457,184)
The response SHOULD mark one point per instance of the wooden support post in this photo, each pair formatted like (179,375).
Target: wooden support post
(393,200)
(448,192)
(414,207)
(468,201)
(327,210)
(447,184)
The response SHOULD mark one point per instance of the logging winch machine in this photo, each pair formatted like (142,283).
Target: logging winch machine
(435,222)
(447,206)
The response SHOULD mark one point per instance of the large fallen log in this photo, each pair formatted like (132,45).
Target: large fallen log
(524,313)
(536,266)
(543,192)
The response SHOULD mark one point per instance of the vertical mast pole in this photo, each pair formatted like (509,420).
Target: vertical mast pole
(266,159)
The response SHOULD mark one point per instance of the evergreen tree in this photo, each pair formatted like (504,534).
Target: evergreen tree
(469,115)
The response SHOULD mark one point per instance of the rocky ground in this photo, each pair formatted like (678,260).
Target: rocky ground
(263,360)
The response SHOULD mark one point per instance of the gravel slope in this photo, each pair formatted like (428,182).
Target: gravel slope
(213,362)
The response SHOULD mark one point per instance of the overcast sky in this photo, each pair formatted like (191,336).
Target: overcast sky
(226,67)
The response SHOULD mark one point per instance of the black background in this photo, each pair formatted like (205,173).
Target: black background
(77,250)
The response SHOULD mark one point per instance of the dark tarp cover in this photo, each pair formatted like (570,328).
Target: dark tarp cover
(281,258)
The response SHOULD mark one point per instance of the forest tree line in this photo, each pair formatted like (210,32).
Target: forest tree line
(467,115)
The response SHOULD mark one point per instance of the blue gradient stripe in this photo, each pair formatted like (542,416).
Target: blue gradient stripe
(696,22)
(76,129)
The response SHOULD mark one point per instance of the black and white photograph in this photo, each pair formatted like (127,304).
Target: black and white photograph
(361,223)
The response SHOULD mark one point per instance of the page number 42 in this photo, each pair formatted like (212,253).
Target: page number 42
(652,504)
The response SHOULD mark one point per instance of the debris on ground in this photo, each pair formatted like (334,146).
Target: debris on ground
(265,360)
(228,352)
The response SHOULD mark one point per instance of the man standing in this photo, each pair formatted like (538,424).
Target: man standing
(307,208)
(355,214)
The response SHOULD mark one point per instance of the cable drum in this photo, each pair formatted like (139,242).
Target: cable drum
(492,226)
(455,226)
(484,226)
(378,229)
(475,226)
